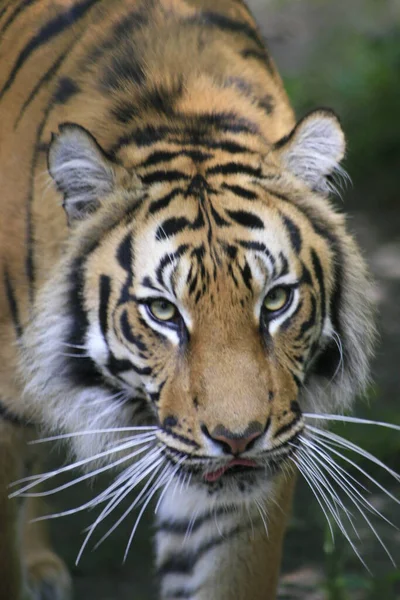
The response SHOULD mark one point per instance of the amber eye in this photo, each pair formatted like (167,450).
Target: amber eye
(163,310)
(277,299)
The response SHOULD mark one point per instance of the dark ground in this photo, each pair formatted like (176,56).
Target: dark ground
(340,54)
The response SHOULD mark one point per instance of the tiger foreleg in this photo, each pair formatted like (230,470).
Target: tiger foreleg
(227,553)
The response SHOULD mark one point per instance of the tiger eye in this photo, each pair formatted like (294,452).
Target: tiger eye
(162,310)
(276,299)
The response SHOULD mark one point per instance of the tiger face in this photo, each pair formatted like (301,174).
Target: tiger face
(218,308)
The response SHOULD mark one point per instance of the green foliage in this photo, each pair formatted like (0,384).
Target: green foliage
(355,74)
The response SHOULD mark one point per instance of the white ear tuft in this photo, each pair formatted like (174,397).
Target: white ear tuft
(314,149)
(80,169)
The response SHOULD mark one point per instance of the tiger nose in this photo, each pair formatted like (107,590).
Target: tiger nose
(234,443)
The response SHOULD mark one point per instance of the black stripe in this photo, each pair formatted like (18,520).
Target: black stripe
(319,275)
(327,363)
(289,321)
(284,270)
(162,156)
(257,247)
(49,30)
(82,369)
(184,564)
(288,426)
(147,282)
(43,80)
(233,168)
(136,340)
(29,261)
(12,302)
(180,527)
(119,365)
(164,201)
(246,275)
(240,191)
(246,219)
(220,221)
(310,321)
(261,55)
(104,293)
(224,23)
(120,70)
(66,88)
(161,176)
(228,146)
(125,254)
(15,14)
(171,227)
(168,259)
(145,136)
(294,233)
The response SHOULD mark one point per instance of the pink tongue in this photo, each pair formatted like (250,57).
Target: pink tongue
(214,475)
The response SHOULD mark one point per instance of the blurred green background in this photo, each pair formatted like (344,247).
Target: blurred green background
(343,54)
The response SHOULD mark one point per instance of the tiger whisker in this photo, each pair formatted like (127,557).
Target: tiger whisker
(100,498)
(190,526)
(331,439)
(81,478)
(341,477)
(131,482)
(326,485)
(345,419)
(351,496)
(137,501)
(35,479)
(338,342)
(112,504)
(315,487)
(332,504)
(262,515)
(304,471)
(171,478)
(146,503)
(64,436)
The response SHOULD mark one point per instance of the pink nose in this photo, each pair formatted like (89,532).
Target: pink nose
(233,443)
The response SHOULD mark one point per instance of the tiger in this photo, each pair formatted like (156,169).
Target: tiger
(178,287)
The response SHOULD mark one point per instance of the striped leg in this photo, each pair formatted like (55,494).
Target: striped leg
(209,550)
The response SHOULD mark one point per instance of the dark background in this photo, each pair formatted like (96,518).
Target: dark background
(343,54)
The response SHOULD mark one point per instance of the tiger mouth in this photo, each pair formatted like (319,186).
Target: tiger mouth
(236,466)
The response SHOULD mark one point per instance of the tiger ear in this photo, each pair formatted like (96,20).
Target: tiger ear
(314,149)
(81,170)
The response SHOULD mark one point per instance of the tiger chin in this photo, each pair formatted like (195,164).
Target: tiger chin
(178,289)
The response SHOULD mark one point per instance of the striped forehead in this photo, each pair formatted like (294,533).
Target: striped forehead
(195,243)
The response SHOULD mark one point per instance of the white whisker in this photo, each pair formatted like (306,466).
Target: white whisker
(112,504)
(345,419)
(341,477)
(64,436)
(342,443)
(36,479)
(170,480)
(262,515)
(145,505)
(334,514)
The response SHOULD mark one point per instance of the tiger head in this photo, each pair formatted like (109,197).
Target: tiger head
(205,289)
